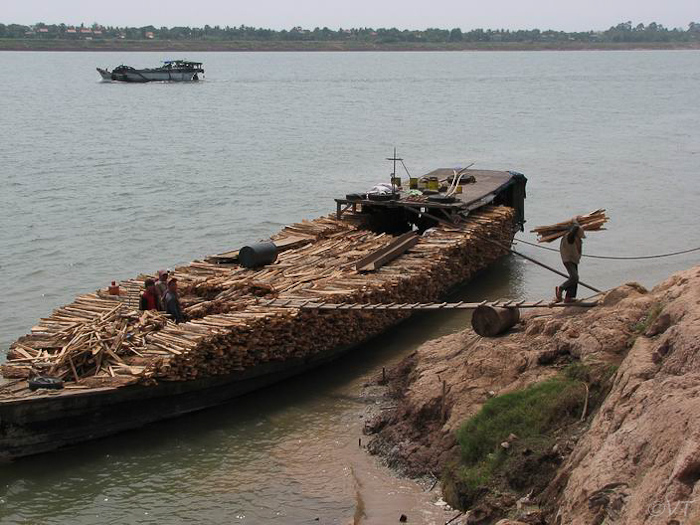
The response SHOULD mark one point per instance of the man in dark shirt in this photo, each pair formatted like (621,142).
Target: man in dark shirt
(172,302)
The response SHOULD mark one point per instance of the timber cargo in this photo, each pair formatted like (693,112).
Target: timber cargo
(120,368)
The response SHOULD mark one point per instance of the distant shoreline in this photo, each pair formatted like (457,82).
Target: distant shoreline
(262,46)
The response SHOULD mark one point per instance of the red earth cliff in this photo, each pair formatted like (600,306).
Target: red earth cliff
(635,459)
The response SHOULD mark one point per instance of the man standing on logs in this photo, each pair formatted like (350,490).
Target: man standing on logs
(172,302)
(570,249)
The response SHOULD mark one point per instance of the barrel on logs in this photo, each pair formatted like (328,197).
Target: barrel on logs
(489,321)
(258,254)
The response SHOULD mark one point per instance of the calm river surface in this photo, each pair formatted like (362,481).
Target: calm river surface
(103,181)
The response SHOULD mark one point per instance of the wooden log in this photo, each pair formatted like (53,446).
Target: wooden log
(490,321)
(382,256)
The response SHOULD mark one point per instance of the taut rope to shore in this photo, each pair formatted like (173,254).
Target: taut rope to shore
(613,257)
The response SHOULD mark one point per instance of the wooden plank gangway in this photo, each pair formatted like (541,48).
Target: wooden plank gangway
(308,304)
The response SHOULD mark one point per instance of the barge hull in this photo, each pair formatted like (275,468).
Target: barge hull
(53,421)
(245,355)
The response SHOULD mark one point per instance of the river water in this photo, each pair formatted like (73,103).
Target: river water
(102,181)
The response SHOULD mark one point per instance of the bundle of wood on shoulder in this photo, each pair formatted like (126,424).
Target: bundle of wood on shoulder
(592,221)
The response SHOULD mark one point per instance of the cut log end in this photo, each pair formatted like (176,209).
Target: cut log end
(489,321)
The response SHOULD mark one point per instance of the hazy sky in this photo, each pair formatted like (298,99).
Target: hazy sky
(467,14)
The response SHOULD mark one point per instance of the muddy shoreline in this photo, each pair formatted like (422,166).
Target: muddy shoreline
(632,367)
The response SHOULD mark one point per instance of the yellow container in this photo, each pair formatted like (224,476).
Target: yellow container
(433,184)
(396,181)
(413,183)
(459,188)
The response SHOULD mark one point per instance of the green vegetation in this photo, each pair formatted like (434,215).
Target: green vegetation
(355,38)
(530,421)
(526,413)
(645,322)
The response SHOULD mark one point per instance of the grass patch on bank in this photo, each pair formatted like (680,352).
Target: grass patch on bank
(530,412)
(535,415)
(645,322)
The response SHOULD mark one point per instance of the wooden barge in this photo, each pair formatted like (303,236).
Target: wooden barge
(122,368)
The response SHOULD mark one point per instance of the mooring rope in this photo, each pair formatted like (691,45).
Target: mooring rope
(543,265)
(619,258)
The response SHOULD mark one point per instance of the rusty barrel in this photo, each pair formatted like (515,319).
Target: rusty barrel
(489,321)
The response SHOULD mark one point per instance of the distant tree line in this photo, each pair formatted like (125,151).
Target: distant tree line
(623,32)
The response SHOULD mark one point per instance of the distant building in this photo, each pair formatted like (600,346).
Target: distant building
(149,35)
(71,32)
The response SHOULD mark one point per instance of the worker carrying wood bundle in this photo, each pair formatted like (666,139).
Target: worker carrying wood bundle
(593,221)
(570,248)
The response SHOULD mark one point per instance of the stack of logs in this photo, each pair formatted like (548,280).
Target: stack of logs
(592,221)
(97,336)
(229,330)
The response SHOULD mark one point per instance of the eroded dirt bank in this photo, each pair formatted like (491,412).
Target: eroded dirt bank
(622,444)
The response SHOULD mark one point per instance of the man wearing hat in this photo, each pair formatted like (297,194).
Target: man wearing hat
(161,288)
(570,248)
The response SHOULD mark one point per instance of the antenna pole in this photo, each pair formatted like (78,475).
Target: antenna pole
(393,175)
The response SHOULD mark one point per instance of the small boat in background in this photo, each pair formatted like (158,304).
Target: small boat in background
(172,70)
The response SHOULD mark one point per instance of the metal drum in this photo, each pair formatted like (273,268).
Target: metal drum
(258,254)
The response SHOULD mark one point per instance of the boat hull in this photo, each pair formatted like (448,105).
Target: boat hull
(142,76)
(39,424)
(31,423)
(42,424)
